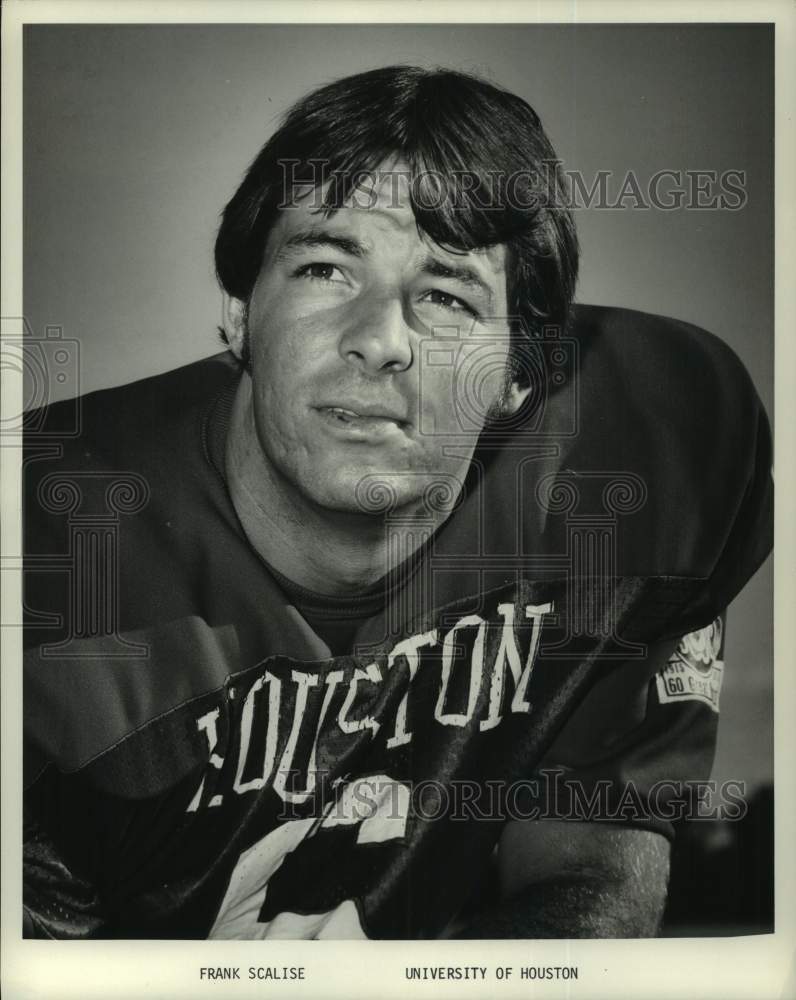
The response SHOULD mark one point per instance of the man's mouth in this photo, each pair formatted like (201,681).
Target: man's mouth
(366,419)
(341,414)
(364,412)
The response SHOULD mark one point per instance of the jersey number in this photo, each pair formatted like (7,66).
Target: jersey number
(377,805)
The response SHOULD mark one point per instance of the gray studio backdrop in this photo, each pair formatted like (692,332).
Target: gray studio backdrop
(135,137)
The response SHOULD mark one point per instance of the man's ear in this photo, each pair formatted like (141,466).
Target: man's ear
(513,399)
(234,316)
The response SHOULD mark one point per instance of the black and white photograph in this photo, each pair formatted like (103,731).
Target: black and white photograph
(388,503)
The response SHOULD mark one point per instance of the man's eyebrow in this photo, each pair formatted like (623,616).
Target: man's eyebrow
(463,273)
(321,238)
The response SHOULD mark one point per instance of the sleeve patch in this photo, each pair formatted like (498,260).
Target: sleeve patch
(695,669)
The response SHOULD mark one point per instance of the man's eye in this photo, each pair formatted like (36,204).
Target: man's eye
(320,272)
(447,301)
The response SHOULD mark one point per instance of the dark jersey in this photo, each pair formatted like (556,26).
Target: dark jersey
(197,761)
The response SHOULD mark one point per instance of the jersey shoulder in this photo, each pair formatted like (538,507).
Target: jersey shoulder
(673,405)
(650,429)
(127,422)
(682,382)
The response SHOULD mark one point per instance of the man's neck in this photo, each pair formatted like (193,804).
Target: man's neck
(327,551)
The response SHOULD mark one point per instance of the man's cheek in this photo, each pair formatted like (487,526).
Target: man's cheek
(458,398)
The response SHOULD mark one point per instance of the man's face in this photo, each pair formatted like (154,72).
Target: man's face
(362,336)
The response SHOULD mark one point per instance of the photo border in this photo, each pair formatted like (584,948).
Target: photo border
(755,967)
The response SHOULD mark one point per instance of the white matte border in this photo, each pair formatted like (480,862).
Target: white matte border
(728,968)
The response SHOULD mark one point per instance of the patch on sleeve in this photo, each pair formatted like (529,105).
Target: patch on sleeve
(695,669)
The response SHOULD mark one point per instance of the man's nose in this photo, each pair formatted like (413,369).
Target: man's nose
(378,338)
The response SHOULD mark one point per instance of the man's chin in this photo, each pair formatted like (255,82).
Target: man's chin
(377,494)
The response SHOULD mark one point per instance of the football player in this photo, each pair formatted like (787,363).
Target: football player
(421,581)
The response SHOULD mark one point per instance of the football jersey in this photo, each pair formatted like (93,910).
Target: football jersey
(199,764)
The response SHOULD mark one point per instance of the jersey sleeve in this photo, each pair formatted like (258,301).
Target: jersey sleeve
(57,902)
(639,748)
(674,412)
(748,508)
